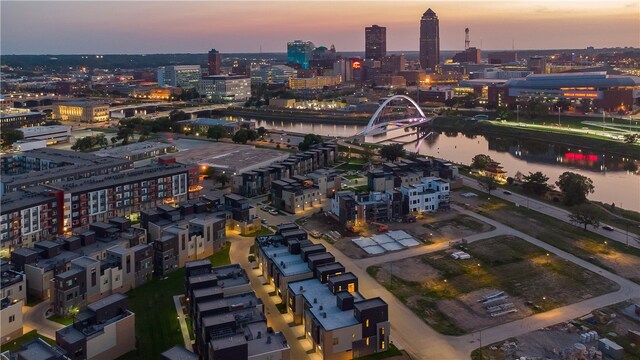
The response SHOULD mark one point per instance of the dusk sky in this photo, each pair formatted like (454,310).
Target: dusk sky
(144,27)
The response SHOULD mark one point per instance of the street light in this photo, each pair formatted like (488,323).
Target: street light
(559,108)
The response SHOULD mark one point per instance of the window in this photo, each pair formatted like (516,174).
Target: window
(382,346)
(12,318)
(336,341)
(366,324)
(351,287)
(366,341)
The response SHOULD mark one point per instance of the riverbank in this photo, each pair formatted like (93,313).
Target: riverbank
(567,139)
(297,116)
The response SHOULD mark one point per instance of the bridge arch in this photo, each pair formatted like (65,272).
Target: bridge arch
(372,122)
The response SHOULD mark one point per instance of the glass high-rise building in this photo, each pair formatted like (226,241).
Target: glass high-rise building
(299,52)
(375,42)
(429,40)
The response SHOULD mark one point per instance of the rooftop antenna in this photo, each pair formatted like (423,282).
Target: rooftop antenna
(466,39)
(260,48)
(513,44)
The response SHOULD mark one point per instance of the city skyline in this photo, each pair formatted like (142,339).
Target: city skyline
(54,27)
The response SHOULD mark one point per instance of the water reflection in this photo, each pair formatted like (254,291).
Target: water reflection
(614,177)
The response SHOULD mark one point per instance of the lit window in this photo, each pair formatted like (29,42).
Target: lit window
(382,346)
(366,341)
(366,324)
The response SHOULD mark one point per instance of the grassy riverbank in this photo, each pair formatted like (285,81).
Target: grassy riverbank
(562,138)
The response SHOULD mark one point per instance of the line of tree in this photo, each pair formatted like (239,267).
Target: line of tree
(90,142)
(481,161)
(10,136)
(392,152)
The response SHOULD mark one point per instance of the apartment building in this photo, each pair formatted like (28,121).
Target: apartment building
(429,195)
(103,197)
(28,216)
(352,209)
(36,349)
(227,317)
(296,194)
(105,330)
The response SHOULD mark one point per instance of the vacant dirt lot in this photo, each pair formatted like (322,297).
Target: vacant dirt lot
(584,244)
(445,291)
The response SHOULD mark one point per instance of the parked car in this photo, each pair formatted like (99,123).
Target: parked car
(506,192)
(607,227)
(264,221)
(273,212)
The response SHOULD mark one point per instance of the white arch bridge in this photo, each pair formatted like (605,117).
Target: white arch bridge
(383,117)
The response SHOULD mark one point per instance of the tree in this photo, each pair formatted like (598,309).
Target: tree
(223,179)
(586,215)
(488,183)
(503,112)
(216,132)
(574,187)
(308,141)
(631,138)
(114,140)
(535,183)
(367,154)
(262,131)
(392,152)
(10,136)
(481,161)
(240,137)
(124,133)
(178,115)
(535,108)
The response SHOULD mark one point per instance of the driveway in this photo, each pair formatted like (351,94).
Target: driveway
(34,318)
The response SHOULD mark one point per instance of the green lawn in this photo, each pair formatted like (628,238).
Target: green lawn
(15,344)
(157,326)
(263,231)
(62,320)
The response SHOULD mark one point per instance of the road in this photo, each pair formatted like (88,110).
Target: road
(183,323)
(617,234)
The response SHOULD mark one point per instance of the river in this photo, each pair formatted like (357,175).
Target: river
(613,181)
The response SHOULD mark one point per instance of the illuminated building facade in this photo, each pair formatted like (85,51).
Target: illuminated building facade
(82,111)
(299,52)
(225,88)
(593,89)
(429,40)
(184,76)
(277,74)
(375,42)
(11,118)
(316,82)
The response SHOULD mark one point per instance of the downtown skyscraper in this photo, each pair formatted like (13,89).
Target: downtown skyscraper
(429,40)
(375,46)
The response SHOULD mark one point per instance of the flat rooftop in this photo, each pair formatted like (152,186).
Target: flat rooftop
(287,263)
(147,147)
(318,295)
(229,157)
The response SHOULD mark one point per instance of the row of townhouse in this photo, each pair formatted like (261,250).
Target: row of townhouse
(258,182)
(338,321)
(300,193)
(228,319)
(424,195)
(45,211)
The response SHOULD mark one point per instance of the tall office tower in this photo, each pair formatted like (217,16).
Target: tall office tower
(299,52)
(214,62)
(429,40)
(375,42)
